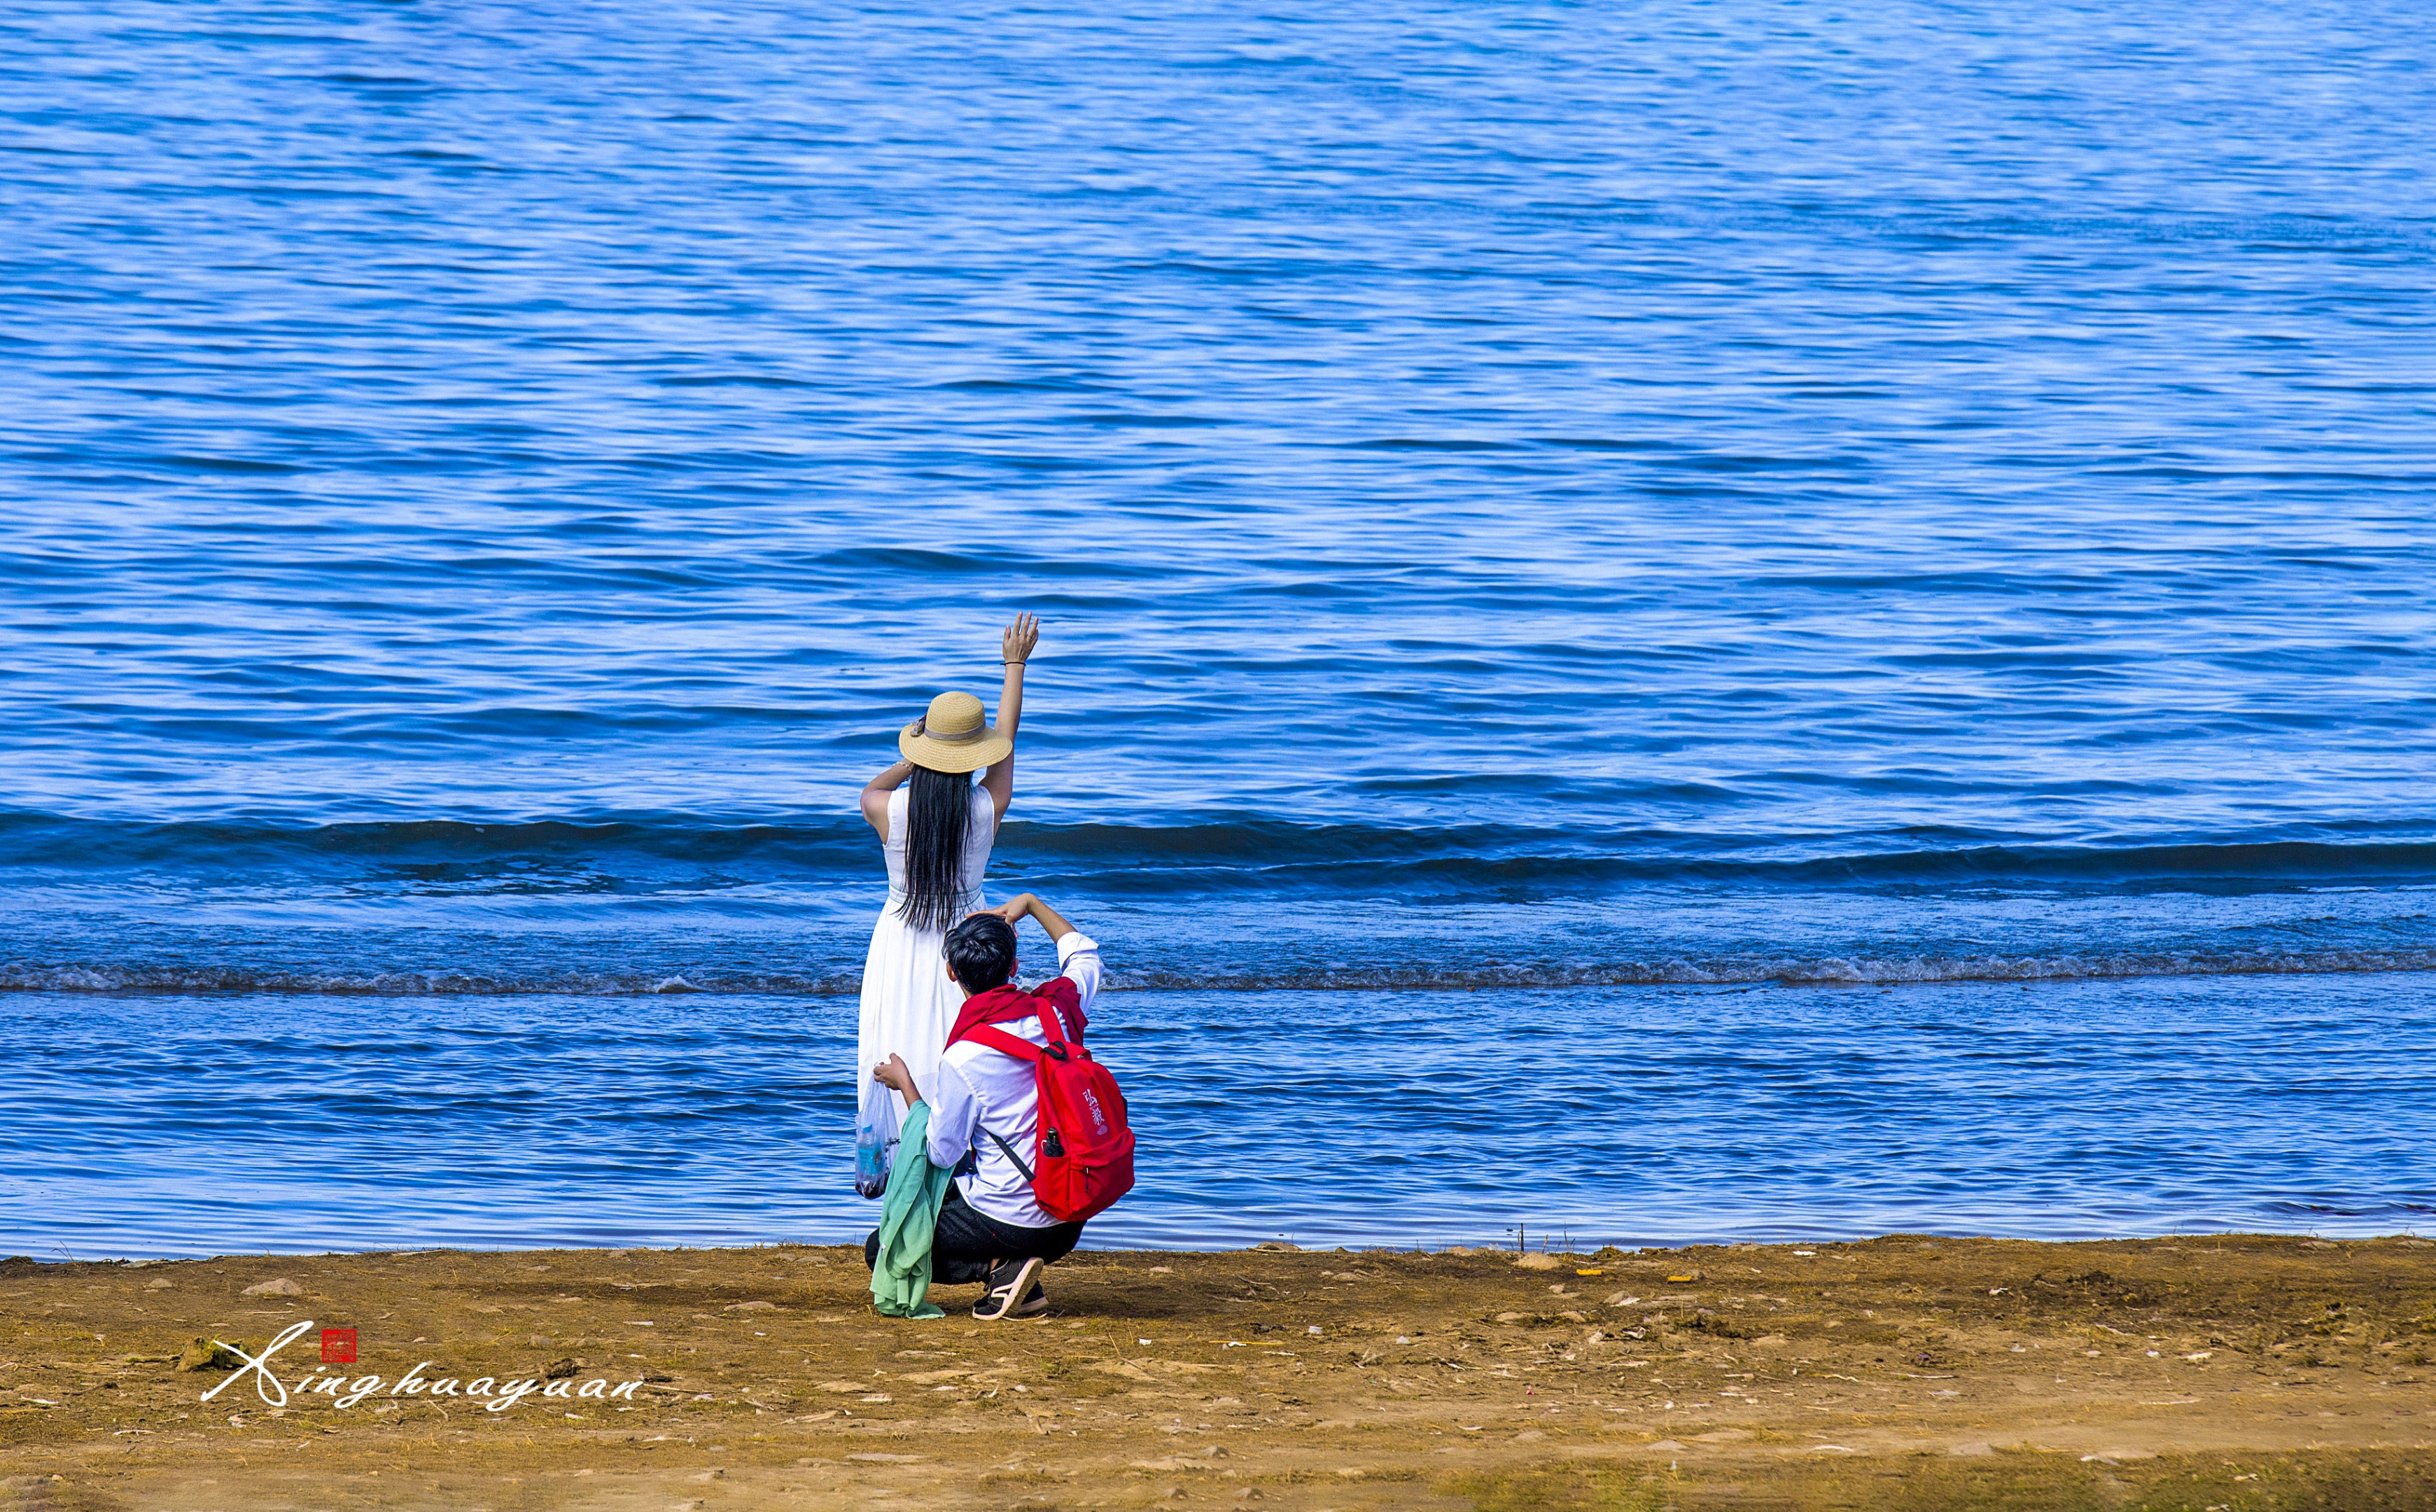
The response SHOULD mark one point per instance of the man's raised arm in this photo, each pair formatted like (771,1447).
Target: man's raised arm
(1028,904)
(1078,954)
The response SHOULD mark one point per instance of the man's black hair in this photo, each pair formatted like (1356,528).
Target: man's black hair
(981,951)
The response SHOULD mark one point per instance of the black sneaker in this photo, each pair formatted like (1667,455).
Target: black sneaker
(1017,1278)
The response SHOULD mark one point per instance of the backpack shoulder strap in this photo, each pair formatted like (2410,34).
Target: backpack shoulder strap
(1000,1039)
(1009,1151)
(1021,1049)
(1059,998)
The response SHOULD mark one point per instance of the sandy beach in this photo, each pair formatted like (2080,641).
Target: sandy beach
(2229,1372)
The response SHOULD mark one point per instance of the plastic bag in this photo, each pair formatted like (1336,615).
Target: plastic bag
(875,1141)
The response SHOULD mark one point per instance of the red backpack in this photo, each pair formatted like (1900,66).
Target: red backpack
(1083,1150)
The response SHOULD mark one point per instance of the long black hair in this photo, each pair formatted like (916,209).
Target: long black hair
(938,820)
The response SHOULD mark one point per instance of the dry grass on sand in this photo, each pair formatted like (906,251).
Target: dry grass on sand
(2234,1373)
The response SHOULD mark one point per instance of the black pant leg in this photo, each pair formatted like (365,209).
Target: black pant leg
(964,1245)
(966,1241)
(1053,1244)
(961,1245)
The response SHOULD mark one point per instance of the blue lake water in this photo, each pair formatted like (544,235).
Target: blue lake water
(1675,621)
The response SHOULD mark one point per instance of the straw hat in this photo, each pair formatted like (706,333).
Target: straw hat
(954,736)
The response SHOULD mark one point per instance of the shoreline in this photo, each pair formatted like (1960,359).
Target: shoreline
(1824,972)
(1228,1245)
(2259,1370)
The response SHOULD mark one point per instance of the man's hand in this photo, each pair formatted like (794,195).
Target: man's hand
(1016,909)
(898,1076)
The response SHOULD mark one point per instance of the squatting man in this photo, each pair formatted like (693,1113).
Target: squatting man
(985,1107)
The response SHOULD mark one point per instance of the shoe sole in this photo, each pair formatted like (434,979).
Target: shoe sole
(1022,1283)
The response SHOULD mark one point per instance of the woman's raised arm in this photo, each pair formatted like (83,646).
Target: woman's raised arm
(1016,648)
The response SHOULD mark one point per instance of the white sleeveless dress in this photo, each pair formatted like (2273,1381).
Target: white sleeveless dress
(908,1002)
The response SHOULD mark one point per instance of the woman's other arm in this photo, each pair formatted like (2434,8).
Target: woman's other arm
(1016,646)
(876,791)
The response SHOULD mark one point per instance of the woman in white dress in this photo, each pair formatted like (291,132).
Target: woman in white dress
(936,826)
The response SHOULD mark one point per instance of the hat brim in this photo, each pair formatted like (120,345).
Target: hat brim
(954,756)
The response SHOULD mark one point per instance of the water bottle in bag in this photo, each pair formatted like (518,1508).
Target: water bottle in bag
(874,1141)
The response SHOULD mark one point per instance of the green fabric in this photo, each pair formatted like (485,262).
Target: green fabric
(900,1276)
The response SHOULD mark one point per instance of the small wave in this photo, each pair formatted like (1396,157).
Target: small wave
(1231,855)
(1472,859)
(237,981)
(1812,971)
(1784,971)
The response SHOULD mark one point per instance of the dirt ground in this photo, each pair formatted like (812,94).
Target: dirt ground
(2233,1373)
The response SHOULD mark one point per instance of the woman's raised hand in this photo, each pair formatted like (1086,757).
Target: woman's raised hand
(1020,637)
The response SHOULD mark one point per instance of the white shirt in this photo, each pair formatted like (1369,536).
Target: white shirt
(984,1088)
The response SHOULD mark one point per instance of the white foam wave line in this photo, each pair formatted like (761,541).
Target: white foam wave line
(1821,971)
(1837,970)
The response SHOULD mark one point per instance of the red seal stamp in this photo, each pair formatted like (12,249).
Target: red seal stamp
(338,1347)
